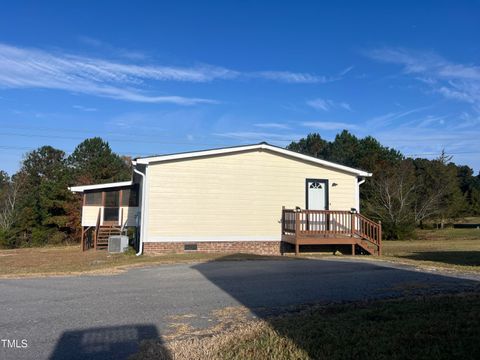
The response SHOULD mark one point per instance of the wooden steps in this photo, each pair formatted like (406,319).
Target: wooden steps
(104,232)
(367,247)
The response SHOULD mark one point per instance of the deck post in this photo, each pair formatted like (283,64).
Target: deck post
(297,232)
(353,249)
(352,223)
(82,242)
(380,239)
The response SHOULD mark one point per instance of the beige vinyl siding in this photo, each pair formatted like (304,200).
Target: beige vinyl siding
(236,195)
(90,213)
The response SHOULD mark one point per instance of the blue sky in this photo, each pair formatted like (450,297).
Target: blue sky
(157,77)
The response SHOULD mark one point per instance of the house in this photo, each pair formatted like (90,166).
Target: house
(254,198)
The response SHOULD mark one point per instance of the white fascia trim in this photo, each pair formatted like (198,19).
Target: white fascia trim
(189,155)
(79,189)
(181,239)
(317,161)
(194,154)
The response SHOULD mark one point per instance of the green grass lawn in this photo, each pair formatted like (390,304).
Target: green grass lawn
(442,327)
(457,249)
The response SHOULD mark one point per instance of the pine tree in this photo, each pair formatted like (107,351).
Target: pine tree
(94,162)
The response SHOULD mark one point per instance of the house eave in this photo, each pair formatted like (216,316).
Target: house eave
(261,146)
(82,188)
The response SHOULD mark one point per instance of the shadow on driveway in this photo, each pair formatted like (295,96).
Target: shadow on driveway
(268,290)
(265,287)
(103,343)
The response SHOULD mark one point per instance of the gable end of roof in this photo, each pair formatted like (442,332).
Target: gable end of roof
(260,146)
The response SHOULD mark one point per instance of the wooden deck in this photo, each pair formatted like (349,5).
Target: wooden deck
(326,227)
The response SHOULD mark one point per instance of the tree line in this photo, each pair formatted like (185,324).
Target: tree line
(404,192)
(36,207)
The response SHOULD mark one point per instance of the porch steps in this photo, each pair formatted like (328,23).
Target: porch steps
(367,246)
(104,232)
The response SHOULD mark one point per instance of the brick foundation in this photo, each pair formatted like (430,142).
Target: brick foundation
(251,247)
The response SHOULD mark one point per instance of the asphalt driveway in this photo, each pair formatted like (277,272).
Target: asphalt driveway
(101,317)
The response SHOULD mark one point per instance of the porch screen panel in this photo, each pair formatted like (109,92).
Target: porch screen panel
(93,198)
(130,197)
(112,198)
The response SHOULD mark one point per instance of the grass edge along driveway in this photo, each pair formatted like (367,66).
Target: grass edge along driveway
(436,327)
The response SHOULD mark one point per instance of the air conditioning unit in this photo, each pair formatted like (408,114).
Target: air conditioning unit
(117,243)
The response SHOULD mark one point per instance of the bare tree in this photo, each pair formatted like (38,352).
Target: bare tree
(8,203)
(392,196)
(428,203)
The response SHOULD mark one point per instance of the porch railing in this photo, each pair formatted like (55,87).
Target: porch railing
(330,223)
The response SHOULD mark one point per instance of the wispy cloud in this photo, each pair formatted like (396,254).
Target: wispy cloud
(121,52)
(329,125)
(253,136)
(293,77)
(428,121)
(31,68)
(90,41)
(319,104)
(34,68)
(272,125)
(84,108)
(467,120)
(459,82)
(327,104)
(160,121)
(427,135)
(300,77)
(388,118)
(429,140)
(346,70)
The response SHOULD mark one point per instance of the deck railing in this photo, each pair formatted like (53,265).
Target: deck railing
(330,223)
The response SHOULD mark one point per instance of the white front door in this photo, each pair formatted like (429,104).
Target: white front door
(317,194)
(317,199)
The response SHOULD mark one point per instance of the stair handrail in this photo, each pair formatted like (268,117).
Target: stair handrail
(122,228)
(121,221)
(374,236)
(97,228)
